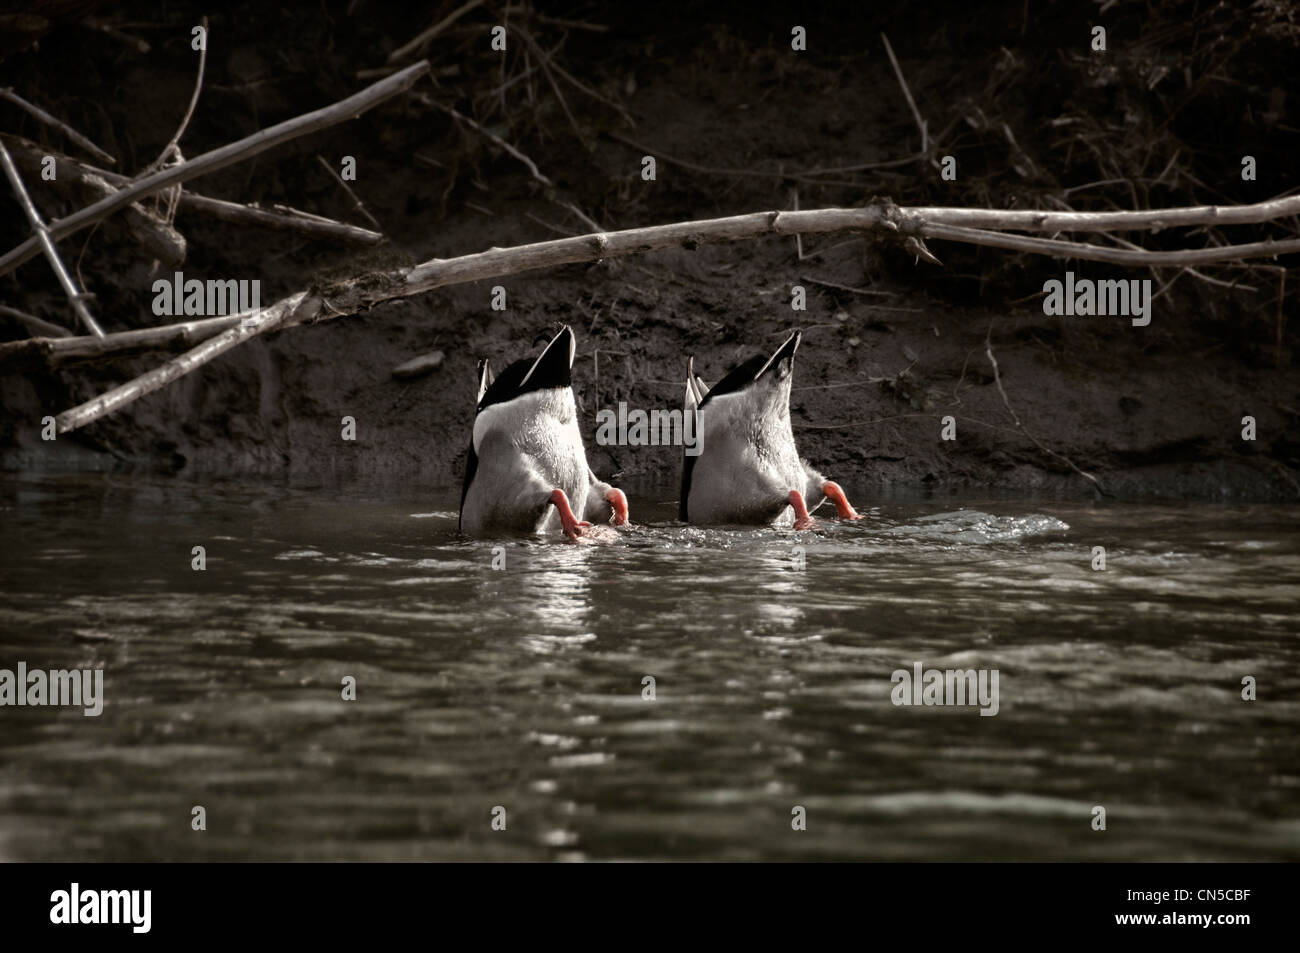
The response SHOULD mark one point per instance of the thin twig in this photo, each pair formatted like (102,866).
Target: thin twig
(997,379)
(577,83)
(75,297)
(284,219)
(916,113)
(547,225)
(357,203)
(544,60)
(38,325)
(583,216)
(165,156)
(402,52)
(220,158)
(798,239)
(856,291)
(532,166)
(528,11)
(713,170)
(63,127)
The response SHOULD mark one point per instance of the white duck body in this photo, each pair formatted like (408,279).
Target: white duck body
(748,464)
(526,445)
(526,449)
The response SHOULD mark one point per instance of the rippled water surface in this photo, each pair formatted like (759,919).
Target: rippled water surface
(522,687)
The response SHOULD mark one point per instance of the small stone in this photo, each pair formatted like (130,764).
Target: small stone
(418,366)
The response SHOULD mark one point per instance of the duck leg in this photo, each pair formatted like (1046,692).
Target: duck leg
(606,504)
(802,518)
(618,503)
(842,506)
(571,525)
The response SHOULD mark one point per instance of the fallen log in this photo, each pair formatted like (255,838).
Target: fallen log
(353,295)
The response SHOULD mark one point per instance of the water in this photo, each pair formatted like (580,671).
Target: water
(522,687)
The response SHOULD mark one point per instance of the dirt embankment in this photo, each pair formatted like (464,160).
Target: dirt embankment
(1150,411)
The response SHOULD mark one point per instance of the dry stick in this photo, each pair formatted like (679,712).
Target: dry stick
(856,291)
(284,219)
(39,325)
(580,214)
(360,207)
(171,153)
(544,61)
(63,127)
(577,83)
(916,113)
(713,170)
(997,379)
(528,11)
(532,166)
(1150,219)
(1115,256)
(178,367)
(139,44)
(220,158)
(62,350)
(43,239)
(157,235)
(404,51)
(174,141)
(798,239)
(365,291)
(547,225)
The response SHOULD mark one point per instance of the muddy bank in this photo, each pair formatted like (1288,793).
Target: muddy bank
(1151,411)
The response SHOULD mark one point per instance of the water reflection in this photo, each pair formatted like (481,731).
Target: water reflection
(524,686)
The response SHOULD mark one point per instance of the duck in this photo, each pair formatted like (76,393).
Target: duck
(747,469)
(526,469)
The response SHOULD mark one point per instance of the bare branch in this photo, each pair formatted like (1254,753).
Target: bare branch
(1149,220)
(62,349)
(283,218)
(43,116)
(227,155)
(357,203)
(174,142)
(532,166)
(997,378)
(1115,256)
(402,52)
(365,291)
(266,320)
(37,325)
(907,93)
(42,237)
